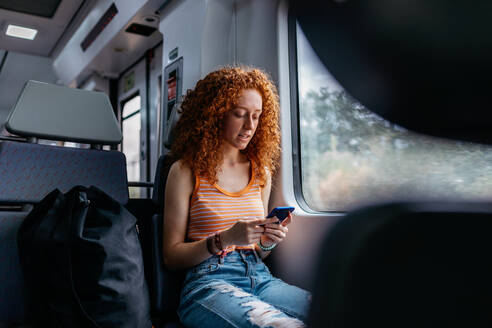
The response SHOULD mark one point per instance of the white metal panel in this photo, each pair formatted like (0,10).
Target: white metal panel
(182,25)
(219,36)
(257,34)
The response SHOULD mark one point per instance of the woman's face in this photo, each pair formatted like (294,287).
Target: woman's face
(241,120)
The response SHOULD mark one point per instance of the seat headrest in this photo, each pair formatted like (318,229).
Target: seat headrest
(56,112)
(407,265)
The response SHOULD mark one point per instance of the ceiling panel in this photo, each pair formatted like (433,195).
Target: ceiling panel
(49,30)
(43,8)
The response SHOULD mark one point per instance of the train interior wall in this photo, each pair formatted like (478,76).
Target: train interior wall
(206,35)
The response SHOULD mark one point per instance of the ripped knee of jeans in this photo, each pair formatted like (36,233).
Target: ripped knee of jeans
(260,313)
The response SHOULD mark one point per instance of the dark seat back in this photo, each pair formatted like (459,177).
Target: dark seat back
(407,265)
(12,289)
(27,173)
(165,285)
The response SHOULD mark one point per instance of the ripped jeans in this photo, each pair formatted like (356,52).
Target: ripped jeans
(239,291)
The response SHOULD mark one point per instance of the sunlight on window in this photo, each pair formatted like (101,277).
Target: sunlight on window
(131,137)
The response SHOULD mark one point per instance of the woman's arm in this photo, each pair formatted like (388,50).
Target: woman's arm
(265,197)
(274,233)
(179,254)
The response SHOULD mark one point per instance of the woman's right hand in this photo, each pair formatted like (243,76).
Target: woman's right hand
(245,232)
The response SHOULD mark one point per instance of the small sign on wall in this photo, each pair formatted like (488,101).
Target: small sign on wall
(173,54)
(129,81)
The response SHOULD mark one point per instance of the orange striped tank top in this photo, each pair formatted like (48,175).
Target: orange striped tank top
(213,209)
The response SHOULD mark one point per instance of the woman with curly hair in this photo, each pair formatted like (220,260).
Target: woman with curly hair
(226,149)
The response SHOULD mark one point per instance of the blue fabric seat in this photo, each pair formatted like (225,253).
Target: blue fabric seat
(27,173)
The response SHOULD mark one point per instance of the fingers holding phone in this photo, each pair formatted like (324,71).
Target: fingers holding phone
(282,213)
(245,232)
(275,233)
(287,221)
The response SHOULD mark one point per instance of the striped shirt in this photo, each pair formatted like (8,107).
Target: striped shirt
(213,209)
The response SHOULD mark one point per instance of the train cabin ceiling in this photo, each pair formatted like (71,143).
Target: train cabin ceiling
(425,65)
(114,34)
(51,18)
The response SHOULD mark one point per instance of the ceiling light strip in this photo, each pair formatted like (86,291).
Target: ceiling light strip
(21,32)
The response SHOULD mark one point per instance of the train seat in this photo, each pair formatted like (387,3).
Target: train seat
(165,285)
(28,171)
(407,265)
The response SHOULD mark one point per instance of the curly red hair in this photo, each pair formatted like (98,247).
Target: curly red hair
(198,133)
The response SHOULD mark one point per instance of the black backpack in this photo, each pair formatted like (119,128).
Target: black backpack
(82,262)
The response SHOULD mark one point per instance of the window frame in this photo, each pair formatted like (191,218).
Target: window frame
(139,111)
(127,99)
(295,117)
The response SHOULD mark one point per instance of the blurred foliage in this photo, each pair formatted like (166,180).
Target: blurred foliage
(350,157)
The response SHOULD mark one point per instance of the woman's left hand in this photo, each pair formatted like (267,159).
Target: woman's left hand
(274,233)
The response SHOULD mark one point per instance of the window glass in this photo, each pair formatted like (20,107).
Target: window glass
(131,106)
(131,137)
(351,156)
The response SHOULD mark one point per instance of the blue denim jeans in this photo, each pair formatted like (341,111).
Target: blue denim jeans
(239,291)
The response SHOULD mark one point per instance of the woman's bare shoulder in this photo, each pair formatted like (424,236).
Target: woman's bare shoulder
(180,173)
(180,167)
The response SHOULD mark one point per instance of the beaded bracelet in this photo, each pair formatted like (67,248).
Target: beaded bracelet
(266,248)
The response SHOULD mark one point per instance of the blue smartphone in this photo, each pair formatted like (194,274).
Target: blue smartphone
(280,212)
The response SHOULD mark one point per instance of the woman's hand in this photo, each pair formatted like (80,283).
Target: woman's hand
(246,232)
(275,233)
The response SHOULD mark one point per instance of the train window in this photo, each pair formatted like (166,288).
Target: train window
(62,143)
(349,156)
(131,139)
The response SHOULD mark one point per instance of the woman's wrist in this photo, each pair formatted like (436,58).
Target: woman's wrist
(211,248)
(215,244)
(266,248)
(210,245)
(224,238)
(266,243)
(218,241)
